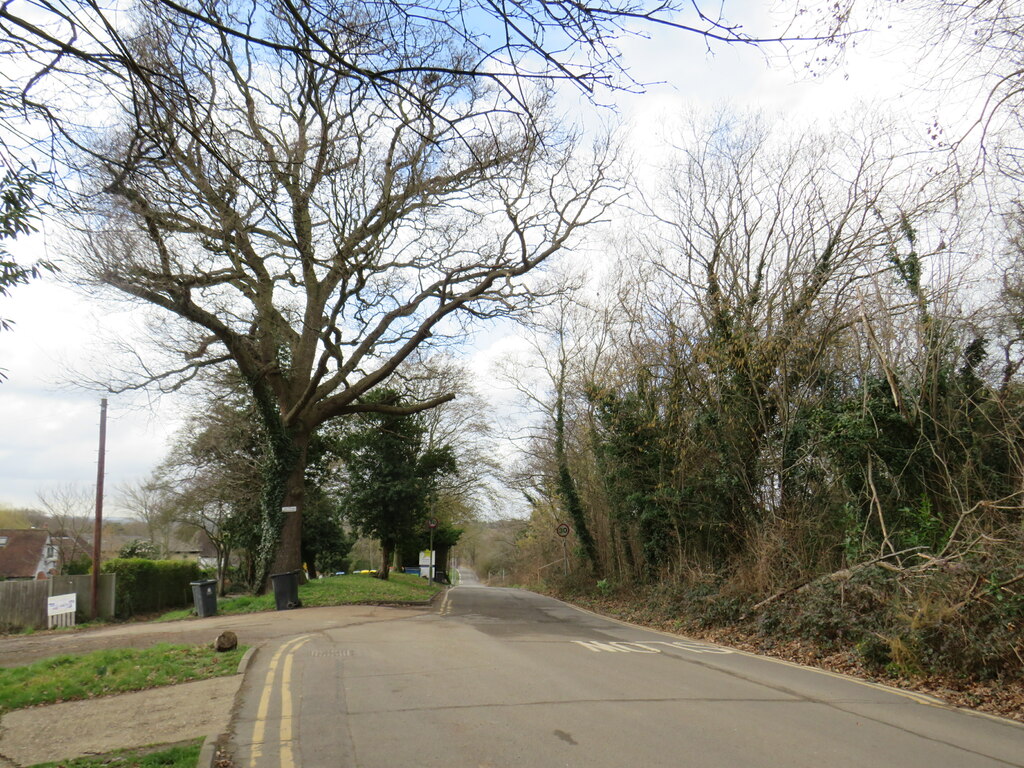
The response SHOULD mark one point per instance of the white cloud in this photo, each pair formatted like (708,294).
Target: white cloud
(49,427)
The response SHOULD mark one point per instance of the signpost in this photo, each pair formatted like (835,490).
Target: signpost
(563,530)
(431,524)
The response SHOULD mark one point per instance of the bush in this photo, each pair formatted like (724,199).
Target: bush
(833,613)
(976,639)
(937,622)
(144,586)
(80,566)
(139,548)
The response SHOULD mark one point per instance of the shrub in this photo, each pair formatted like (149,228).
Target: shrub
(144,586)
(139,548)
(875,651)
(977,639)
(80,566)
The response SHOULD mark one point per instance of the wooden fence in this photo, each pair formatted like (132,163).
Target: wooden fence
(23,603)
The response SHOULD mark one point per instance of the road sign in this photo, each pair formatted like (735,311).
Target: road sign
(562,530)
(432,523)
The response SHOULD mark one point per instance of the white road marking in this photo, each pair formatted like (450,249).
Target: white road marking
(618,646)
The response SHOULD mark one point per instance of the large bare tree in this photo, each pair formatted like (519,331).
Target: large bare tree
(315,232)
(69,510)
(61,58)
(149,501)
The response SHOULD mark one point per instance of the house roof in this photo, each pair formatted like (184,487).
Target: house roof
(198,543)
(20,556)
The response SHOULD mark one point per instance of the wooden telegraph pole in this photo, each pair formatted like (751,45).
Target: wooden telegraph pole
(98,527)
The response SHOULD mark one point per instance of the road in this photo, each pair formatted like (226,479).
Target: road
(500,677)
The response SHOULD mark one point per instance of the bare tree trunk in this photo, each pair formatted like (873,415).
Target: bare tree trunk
(283,496)
(387,551)
(288,556)
(223,557)
(567,485)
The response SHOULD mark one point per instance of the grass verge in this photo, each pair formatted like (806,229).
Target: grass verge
(176,756)
(357,589)
(118,670)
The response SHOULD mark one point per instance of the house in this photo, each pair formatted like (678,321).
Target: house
(198,549)
(180,549)
(27,554)
(207,552)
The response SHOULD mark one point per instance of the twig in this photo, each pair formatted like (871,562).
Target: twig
(878,508)
(956,528)
(976,594)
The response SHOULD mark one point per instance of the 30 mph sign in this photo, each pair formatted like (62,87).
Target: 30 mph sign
(562,530)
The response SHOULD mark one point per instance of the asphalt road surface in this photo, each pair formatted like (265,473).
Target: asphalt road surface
(500,678)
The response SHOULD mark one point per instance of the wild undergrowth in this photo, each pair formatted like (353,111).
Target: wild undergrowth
(961,620)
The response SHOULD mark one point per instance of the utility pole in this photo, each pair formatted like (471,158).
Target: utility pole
(98,527)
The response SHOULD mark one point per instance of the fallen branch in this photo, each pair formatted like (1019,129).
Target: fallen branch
(845,573)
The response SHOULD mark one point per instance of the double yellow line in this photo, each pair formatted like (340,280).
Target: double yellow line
(287,716)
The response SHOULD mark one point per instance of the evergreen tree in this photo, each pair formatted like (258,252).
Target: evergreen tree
(390,476)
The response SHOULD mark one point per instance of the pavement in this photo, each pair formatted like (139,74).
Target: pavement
(168,715)
(159,716)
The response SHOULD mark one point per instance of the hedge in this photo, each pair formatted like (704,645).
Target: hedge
(145,586)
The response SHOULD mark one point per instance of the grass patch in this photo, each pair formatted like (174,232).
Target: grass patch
(181,613)
(357,589)
(117,670)
(177,756)
(364,588)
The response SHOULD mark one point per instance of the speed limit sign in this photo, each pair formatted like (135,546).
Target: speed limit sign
(432,523)
(562,530)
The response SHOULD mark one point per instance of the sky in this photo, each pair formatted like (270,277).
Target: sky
(49,421)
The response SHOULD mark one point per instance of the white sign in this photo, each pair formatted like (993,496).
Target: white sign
(59,604)
(289,509)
